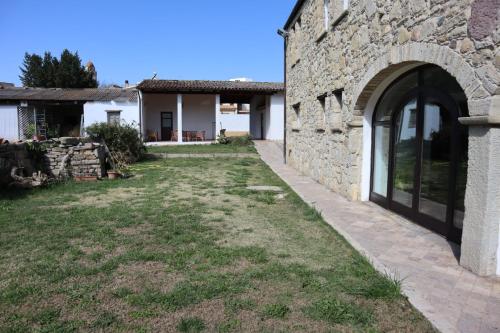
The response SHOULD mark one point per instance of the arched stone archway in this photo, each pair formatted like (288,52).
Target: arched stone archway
(481,233)
(411,54)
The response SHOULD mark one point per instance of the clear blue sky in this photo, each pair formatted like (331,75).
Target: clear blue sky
(178,39)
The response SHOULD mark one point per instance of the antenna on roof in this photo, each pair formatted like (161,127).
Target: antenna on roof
(154,76)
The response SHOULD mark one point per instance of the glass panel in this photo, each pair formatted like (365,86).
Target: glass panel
(393,96)
(405,154)
(166,123)
(166,120)
(381,159)
(435,174)
(461,178)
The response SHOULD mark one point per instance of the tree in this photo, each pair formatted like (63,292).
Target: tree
(50,72)
(32,72)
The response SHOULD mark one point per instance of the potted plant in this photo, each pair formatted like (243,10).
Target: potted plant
(119,165)
(29,132)
(113,174)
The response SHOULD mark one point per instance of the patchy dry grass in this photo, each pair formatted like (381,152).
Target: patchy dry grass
(184,246)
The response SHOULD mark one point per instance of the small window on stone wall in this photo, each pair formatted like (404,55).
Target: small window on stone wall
(322,119)
(338,10)
(295,41)
(338,96)
(335,119)
(296,116)
(320,18)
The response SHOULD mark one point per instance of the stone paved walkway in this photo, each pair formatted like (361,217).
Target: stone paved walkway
(452,298)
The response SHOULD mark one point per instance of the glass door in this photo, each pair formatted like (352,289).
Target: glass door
(405,150)
(422,160)
(166,125)
(419,149)
(436,161)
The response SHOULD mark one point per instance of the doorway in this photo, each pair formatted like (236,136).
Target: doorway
(166,126)
(262,126)
(419,163)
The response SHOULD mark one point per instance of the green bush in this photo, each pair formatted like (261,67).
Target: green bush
(245,140)
(241,140)
(120,138)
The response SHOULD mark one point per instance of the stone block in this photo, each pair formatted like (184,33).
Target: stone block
(69,141)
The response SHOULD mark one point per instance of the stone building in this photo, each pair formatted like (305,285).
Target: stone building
(398,102)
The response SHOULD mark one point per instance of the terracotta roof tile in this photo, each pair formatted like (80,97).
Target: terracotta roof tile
(59,94)
(190,86)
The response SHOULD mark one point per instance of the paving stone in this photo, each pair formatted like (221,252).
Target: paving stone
(265,188)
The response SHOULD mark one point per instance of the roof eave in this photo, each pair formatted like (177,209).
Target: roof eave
(295,12)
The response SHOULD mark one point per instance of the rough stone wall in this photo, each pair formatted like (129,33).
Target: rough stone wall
(324,130)
(61,160)
(14,155)
(71,161)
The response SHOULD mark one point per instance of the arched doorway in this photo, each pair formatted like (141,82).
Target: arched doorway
(419,150)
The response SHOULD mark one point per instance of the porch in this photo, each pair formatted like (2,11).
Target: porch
(178,118)
(174,111)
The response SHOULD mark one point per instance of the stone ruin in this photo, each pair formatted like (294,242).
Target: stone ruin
(63,158)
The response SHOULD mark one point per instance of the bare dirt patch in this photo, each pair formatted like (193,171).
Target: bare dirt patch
(102,200)
(139,275)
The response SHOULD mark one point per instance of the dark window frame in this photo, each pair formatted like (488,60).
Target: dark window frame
(421,93)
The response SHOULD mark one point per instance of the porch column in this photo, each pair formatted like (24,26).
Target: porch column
(179,118)
(142,116)
(217,116)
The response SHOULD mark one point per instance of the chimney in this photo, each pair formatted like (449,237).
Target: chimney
(126,84)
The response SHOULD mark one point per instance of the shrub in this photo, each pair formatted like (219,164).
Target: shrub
(120,138)
(245,140)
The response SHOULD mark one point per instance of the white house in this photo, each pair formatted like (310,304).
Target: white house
(163,110)
(52,112)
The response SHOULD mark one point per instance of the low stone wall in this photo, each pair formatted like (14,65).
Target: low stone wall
(14,155)
(82,160)
(65,158)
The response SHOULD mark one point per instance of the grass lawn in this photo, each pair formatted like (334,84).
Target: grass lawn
(202,149)
(183,246)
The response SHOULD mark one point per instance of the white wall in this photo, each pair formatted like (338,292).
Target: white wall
(273,111)
(8,122)
(199,114)
(275,119)
(94,112)
(255,115)
(234,122)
